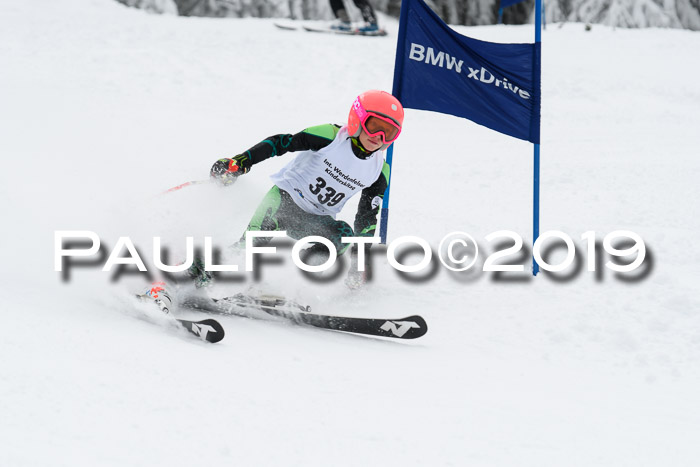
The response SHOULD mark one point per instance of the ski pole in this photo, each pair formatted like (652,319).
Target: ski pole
(180,187)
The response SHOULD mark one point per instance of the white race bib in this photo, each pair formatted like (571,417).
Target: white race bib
(321,182)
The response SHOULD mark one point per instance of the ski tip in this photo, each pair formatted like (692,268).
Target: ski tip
(218,329)
(286,27)
(208,330)
(410,327)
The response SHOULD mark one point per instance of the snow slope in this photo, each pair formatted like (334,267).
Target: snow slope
(103,107)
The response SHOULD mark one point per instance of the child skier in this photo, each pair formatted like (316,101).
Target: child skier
(335,163)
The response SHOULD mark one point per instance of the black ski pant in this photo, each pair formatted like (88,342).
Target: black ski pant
(277,211)
(364,6)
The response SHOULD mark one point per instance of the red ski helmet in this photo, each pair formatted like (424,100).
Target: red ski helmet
(386,110)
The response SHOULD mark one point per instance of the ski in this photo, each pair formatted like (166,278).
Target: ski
(410,327)
(319,29)
(328,30)
(352,32)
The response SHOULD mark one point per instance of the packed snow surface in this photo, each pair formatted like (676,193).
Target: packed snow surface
(104,107)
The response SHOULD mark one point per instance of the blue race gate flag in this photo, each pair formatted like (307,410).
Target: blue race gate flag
(494,85)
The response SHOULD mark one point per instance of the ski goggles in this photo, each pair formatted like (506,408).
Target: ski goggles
(375,124)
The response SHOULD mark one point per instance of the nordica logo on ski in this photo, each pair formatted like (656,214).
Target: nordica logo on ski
(202,330)
(399,328)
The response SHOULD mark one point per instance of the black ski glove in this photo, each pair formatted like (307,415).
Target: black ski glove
(226,171)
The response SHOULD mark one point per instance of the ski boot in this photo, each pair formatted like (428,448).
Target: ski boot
(159,295)
(341,26)
(200,277)
(342,23)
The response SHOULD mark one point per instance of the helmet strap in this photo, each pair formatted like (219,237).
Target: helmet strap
(358,149)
